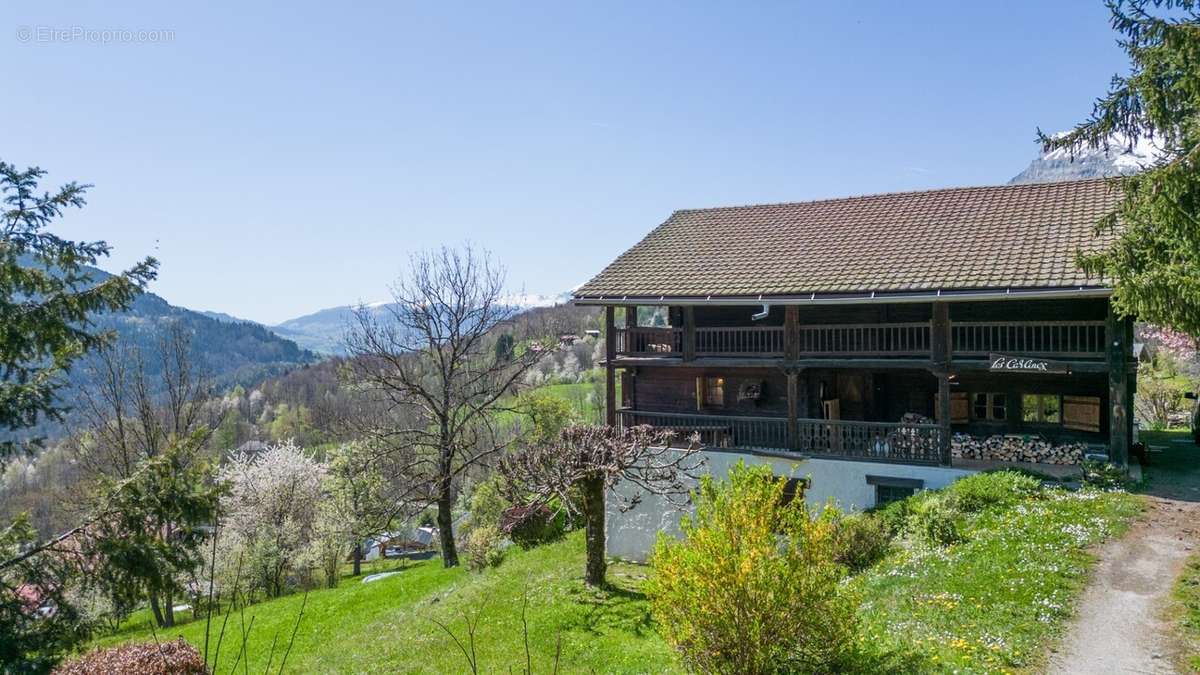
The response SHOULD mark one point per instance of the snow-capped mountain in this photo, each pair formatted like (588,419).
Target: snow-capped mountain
(1119,159)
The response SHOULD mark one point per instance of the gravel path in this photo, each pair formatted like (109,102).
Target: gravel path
(1120,626)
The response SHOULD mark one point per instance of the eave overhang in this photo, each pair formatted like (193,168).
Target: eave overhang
(872,297)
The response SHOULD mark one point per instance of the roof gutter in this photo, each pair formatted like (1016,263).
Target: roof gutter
(874,297)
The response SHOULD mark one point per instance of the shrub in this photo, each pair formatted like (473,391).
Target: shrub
(997,488)
(860,540)
(1103,475)
(753,587)
(483,547)
(934,520)
(529,526)
(170,658)
(488,503)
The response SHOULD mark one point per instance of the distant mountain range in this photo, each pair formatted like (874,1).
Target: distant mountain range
(323,331)
(1118,160)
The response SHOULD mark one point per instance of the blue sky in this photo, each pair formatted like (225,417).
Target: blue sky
(281,159)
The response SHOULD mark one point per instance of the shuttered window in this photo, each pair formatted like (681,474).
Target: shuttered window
(1081,412)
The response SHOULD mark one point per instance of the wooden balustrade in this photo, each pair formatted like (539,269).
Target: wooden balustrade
(1067,339)
(1064,339)
(865,339)
(740,341)
(876,441)
(646,341)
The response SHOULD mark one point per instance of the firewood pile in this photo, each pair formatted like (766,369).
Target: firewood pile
(1016,449)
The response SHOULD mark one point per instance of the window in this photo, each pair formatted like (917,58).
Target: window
(886,494)
(890,489)
(1042,408)
(989,406)
(710,392)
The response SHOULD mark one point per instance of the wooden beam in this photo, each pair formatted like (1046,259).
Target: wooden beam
(940,355)
(791,333)
(689,333)
(610,368)
(1120,422)
(793,408)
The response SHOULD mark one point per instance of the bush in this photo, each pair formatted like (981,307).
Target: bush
(753,587)
(1103,475)
(998,488)
(529,526)
(484,547)
(170,658)
(487,503)
(934,520)
(861,540)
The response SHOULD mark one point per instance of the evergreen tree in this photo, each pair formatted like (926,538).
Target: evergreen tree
(1154,263)
(48,298)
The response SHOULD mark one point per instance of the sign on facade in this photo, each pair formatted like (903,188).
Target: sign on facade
(1025,364)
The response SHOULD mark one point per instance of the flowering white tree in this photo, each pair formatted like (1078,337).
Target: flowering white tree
(270,512)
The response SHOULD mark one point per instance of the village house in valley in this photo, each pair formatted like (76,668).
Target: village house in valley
(876,345)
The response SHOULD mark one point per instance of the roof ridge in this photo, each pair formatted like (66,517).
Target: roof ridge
(877,195)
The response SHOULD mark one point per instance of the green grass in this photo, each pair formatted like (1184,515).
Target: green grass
(389,625)
(1187,597)
(994,602)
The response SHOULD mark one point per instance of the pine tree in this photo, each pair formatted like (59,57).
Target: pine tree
(1154,265)
(48,298)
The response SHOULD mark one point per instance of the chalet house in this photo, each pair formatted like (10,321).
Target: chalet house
(876,345)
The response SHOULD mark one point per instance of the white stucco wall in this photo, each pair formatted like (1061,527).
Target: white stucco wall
(631,535)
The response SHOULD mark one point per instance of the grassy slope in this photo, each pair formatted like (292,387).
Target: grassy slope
(1187,595)
(987,605)
(388,625)
(996,601)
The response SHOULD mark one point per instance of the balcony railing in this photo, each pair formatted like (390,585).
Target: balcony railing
(968,339)
(740,341)
(1066,339)
(878,441)
(865,339)
(643,341)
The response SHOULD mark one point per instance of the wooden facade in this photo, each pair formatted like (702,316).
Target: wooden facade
(839,379)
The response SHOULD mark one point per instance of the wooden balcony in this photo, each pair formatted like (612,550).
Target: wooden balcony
(967,339)
(1061,339)
(843,439)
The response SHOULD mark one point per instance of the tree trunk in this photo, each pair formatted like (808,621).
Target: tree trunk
(157,610)
(358,558)
(593,514)
(168,609)
(445,520)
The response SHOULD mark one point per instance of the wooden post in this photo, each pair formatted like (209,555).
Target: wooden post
(610,371)
(940,355)
(791,333)
(1119,420)
(793,408)
(689,333)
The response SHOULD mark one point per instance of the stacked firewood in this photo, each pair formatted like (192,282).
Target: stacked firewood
(1016,449)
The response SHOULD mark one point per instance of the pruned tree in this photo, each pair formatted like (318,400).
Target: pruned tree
(1154,260)
(428,361)
(48,299)
(584,463)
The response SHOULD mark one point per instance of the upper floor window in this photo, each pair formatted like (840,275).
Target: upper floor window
(991,406)
(1045,408)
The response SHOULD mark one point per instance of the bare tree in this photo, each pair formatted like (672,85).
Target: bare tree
(585,462)
(429,361)
(136,410)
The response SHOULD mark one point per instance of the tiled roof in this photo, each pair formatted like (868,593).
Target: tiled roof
(1012,236)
